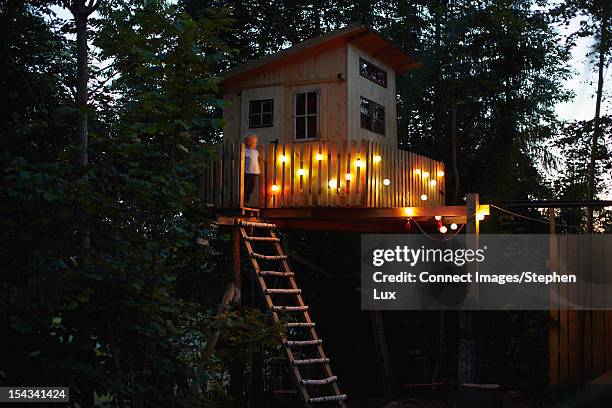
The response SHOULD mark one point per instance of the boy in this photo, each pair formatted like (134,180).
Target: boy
(251,165)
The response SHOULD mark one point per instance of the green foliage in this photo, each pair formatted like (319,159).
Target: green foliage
(119,320)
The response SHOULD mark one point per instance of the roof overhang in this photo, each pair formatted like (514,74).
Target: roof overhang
(359,35)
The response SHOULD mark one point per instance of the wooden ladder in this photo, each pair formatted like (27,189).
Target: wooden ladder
(304,352)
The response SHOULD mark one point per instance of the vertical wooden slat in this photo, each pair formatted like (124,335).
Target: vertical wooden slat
(333,173)
(219,176)
(295,165)
(272,197)
(607,280)
(563,313)
(304,182)
(261,202)
(324,188)
(352,169)
(343,183)
(315,167)
(280,175)
(227,174)
(240,176)
(365,153)
(386,175)
(574,331)
(598,322)
(372,176)
(288,175)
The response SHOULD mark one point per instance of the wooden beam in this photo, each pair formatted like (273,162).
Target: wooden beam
(303,82)
(364,226)
(306,221)
(353,213)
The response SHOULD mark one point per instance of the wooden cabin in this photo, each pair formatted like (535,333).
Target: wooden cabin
(325,114)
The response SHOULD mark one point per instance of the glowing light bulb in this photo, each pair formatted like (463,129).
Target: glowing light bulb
(424,197)
(283,159)
(386,182)
(319,156)
(480,217)
(440,173)
(438,217)
(425,174)
(377,159)
(443,229)
(348,177)
(301,172)
(275,188)
(433,182)
(359,163)
(333,183)
(408,211)
(453,226)
(417,171)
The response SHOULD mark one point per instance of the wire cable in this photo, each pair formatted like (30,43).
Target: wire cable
(531,218)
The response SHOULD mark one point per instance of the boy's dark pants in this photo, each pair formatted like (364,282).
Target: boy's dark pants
(250,181)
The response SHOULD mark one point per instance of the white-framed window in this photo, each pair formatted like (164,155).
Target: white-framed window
(306,115)
(261,113)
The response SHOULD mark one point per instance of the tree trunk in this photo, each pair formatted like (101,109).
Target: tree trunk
(454,151)
(81,10)
(596,120)
(81,88)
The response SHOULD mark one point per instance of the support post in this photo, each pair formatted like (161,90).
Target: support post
(237,365)
(382,357)
(236,266)
(467,361)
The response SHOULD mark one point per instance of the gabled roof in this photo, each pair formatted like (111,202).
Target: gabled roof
(357,34)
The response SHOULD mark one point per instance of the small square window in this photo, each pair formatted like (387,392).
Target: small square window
(261,113)
(372,72)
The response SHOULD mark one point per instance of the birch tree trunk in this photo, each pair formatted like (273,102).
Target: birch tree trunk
(81,10)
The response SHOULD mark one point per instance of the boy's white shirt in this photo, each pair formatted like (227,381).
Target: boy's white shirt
(251,161)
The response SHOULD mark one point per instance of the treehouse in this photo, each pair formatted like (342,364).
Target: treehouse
(324,111)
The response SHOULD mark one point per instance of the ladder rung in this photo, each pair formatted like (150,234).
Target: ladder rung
(262,239)
(289,308)
(329,398)
(321,381)
(311,361)
(283,291)
(299,324)
(303,342)
(276,273)
(269,257)
(256,224)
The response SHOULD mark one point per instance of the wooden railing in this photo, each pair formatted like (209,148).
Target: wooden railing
(325,174)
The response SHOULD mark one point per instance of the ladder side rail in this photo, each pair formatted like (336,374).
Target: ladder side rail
(312,330)
(262,284)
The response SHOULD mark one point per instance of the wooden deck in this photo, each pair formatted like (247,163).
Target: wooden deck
(323,174)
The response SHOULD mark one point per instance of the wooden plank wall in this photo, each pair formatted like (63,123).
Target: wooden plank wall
(569,366)
(326,174)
